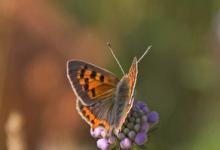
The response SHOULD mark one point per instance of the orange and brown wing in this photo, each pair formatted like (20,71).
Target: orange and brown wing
(89,82)
(128,102)
(133,77)
(97,114)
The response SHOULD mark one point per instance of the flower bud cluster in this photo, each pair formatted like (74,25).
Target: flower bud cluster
(133,132)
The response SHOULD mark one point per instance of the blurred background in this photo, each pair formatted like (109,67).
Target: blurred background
(179,78)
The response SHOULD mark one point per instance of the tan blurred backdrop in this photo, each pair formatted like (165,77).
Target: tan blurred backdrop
(179,78)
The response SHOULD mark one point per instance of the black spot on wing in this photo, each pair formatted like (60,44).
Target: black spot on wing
(93,92)
(82,72)
(85,67)
(93,121)
(86,80)
(102,78)
(84,112)
(86,87)
(87,116)
(93,74)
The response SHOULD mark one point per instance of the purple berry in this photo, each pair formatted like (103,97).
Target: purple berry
(112,140)
(141,105)
(153,117)
(103,144)
(121,136)
(145,127)
(140,138)
(145,109)
(97,131)
(131,135)
(103,133)
(126,143)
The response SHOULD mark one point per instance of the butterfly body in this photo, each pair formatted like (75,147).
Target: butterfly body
(102,99)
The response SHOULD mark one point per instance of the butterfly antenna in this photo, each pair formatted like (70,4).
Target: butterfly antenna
(110,48)
(147,50)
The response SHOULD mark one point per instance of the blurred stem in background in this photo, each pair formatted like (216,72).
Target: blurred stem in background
(15,136)
(6,12)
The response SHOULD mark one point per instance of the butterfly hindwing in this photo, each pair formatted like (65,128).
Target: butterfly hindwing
(99,114)
(89,82)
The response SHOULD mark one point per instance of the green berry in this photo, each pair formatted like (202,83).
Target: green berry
(141,112)
(126,131)
(130,125)
(144,118)
(121,136)
(131,135)
(131,119)
(135,114)
(137,127)
(137,120)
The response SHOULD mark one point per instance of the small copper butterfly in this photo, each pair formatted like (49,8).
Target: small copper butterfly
(103,99)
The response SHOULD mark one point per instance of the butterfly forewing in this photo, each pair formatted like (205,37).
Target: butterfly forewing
(133,76)
(89,82)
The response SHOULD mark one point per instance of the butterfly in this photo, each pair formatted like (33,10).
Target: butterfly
(102,98)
